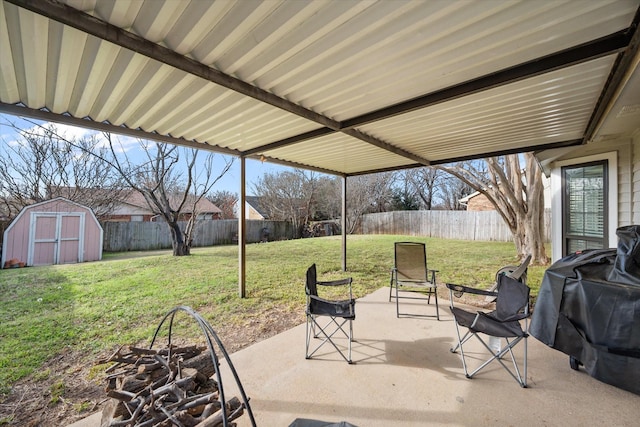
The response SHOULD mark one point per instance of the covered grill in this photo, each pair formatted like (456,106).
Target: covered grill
(589,308)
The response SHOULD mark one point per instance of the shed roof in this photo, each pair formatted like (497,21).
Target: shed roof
(341,86)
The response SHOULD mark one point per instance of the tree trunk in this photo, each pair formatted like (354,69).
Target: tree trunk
(180,247)
(533,225)
(523,210)
(520,202)
(529,237)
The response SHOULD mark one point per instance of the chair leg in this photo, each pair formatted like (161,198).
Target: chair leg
(459,345)
(515,373)
(350,361)
(397,301)
(308,338)
(428,298)
(524,365)
(326,336)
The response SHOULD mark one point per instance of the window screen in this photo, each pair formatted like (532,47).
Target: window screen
(584,207)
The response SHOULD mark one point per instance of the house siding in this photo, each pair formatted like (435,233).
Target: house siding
(635,147)
(625,184)
(480,203)
(253,214)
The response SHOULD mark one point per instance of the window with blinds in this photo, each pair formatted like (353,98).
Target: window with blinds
(584,207)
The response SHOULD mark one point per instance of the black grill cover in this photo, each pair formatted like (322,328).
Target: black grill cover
(589,308)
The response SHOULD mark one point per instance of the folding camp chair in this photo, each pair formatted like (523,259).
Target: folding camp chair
(327,317)
(512,306)
(410,274)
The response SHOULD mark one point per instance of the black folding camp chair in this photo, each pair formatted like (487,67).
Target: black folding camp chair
(326,318)
(504,323)
(411,276)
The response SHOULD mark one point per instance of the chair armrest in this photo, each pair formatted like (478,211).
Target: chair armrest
(519,316)
(321,306)
(339,282)
(458,290)
(331,301)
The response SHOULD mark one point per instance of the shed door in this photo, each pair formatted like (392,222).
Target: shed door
(56,238)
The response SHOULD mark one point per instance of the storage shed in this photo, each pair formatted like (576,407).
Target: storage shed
(56,231)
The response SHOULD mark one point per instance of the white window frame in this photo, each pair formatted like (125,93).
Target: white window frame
(557,194)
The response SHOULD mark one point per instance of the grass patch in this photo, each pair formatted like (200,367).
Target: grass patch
(95,307)
(57,391)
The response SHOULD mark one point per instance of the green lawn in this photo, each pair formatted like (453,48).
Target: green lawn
(94,307)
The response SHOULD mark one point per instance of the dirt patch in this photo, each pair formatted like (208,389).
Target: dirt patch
(70,387)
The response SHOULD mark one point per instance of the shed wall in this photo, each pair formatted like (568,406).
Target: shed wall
(16,240)
(16,243)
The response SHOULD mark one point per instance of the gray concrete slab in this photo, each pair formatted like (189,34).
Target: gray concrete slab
(405,375)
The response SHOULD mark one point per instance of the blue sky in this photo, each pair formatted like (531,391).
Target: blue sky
(230,182)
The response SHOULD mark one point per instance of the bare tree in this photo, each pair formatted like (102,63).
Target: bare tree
(172,182)
(42,163)
(436,189)
(366,194)
(405,195)
(328,199)
(451,190)
(425,182)
(289,196)
(226,201)
(517,194)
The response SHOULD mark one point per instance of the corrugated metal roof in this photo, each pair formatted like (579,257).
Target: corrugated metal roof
(346,86)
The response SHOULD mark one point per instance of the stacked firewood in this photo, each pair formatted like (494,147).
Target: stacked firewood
(165,387)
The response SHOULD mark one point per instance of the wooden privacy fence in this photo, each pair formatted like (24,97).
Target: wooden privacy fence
(462,225)
(143,236)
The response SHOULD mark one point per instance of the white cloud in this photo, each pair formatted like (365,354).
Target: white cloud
(122,143)
(11,125)
(72,132)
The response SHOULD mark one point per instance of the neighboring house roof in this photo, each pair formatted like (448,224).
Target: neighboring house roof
(133,199)
(136,200)
(203,206)
(72,193)
(466,199)
(254,202)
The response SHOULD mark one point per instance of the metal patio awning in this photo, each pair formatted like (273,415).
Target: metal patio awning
(343,87)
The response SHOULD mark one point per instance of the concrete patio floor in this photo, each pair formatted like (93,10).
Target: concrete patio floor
(405,375)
